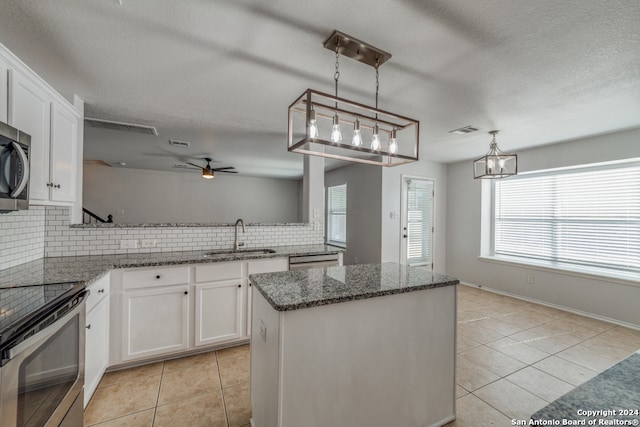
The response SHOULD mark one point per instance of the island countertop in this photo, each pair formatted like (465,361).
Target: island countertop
(293,290)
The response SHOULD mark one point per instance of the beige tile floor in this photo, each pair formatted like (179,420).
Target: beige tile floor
(513,358)
(208,389)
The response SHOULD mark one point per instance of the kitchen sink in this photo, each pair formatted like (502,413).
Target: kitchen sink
(224,254)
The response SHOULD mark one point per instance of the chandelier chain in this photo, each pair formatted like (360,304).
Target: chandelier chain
(336,76)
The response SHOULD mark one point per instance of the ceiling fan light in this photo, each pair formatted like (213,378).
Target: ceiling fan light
(207,173)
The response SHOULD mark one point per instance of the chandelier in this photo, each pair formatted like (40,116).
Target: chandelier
(326,125)
(495,164)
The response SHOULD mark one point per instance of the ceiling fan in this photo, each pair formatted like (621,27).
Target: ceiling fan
(208,171)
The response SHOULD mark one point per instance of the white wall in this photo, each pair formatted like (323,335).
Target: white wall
(600,297)
(363,210)
(391,204)
(178,197)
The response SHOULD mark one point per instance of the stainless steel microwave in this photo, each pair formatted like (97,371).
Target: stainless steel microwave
(14,169)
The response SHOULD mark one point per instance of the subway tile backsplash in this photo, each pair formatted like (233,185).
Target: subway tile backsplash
(62,240)
(22,236)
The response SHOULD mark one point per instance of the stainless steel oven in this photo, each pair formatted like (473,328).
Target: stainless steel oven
(42,358)
(14,169)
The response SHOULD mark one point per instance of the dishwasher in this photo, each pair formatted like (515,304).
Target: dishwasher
(313,261)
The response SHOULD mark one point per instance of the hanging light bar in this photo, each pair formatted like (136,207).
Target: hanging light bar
(316,119)
(495,164)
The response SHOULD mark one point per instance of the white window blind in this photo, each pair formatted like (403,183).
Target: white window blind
(587,217)
(337,214)
(419,221)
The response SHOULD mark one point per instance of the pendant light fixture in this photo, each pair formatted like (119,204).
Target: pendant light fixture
(495,164)
(317,120)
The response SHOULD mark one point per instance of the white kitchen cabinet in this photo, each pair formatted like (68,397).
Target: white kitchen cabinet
(64,153)
(53,127)
(156,321)
(30,112)
(219,312)
(96,336)
(262,266)
(4,96)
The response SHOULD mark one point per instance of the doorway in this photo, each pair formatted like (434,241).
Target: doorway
(417,221)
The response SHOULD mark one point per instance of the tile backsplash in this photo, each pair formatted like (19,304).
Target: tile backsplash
(63,240)
(22,236)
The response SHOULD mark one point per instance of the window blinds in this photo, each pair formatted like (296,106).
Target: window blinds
(419,221)
(588,217)
(337,214)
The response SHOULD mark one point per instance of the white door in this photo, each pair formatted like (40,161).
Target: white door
(417,221)
(218,312)
(30,112)
(156,321)
(64,150)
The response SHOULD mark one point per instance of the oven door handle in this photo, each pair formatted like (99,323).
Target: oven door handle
(25,176)
(50,329)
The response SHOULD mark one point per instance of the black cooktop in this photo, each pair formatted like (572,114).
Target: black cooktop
(21,306)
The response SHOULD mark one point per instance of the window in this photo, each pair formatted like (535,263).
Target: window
(337,214)
(418,221)
(586,218)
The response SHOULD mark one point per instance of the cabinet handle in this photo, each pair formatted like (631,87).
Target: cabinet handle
(56,186)
(158,276)
(49,184)
(101,291)
(88,326)
(186,292)
(239,286)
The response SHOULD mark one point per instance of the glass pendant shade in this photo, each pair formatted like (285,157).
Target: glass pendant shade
(495,164)
(313,124)
(336,134)
(393,143)
(357,135)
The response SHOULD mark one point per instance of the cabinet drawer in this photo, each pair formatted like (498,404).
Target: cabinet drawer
(218,271)
(155,277)
(97,291)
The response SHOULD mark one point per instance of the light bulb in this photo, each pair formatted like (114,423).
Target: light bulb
(501,163)
(375,141)
(490,165)
(336,134)
(393,143)
(357,137)
(313,125)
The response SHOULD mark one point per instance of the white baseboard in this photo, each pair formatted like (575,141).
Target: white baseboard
(557,306)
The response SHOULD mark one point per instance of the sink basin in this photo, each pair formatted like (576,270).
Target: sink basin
(224,254)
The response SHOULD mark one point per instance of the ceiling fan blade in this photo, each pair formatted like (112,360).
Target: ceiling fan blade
(226,171)
(198,166)
(224,168)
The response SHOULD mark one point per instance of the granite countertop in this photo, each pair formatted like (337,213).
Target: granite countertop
(293,290)
(614,392)
(186,224)
(92,267)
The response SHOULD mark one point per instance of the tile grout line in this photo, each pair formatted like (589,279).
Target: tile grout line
(224,403)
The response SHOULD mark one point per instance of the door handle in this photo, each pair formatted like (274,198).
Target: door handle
(404,235)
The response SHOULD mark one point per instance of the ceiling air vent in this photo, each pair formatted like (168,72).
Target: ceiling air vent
(464,130)
(181,144)
(126,127)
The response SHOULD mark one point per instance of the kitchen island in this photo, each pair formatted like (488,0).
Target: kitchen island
(364,345)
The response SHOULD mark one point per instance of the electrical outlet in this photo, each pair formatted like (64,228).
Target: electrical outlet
(128,244)
(148,243)
(531,279)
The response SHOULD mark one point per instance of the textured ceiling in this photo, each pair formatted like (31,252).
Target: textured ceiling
(222,73)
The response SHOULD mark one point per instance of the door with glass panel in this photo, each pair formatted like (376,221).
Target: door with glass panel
(417,222)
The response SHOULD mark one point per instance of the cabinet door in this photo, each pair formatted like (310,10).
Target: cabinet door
(156,321)
(4,96)
(218,312)
(30,112)
(64,153)
(96,347)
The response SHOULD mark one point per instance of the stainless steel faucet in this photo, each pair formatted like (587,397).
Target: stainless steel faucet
(236,244)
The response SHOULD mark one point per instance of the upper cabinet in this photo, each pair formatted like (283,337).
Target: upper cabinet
(32,106)
(4,85)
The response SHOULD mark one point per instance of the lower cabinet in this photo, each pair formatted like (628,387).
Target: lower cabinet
(167,310)
(96,358)
(219,312)
(156,321)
